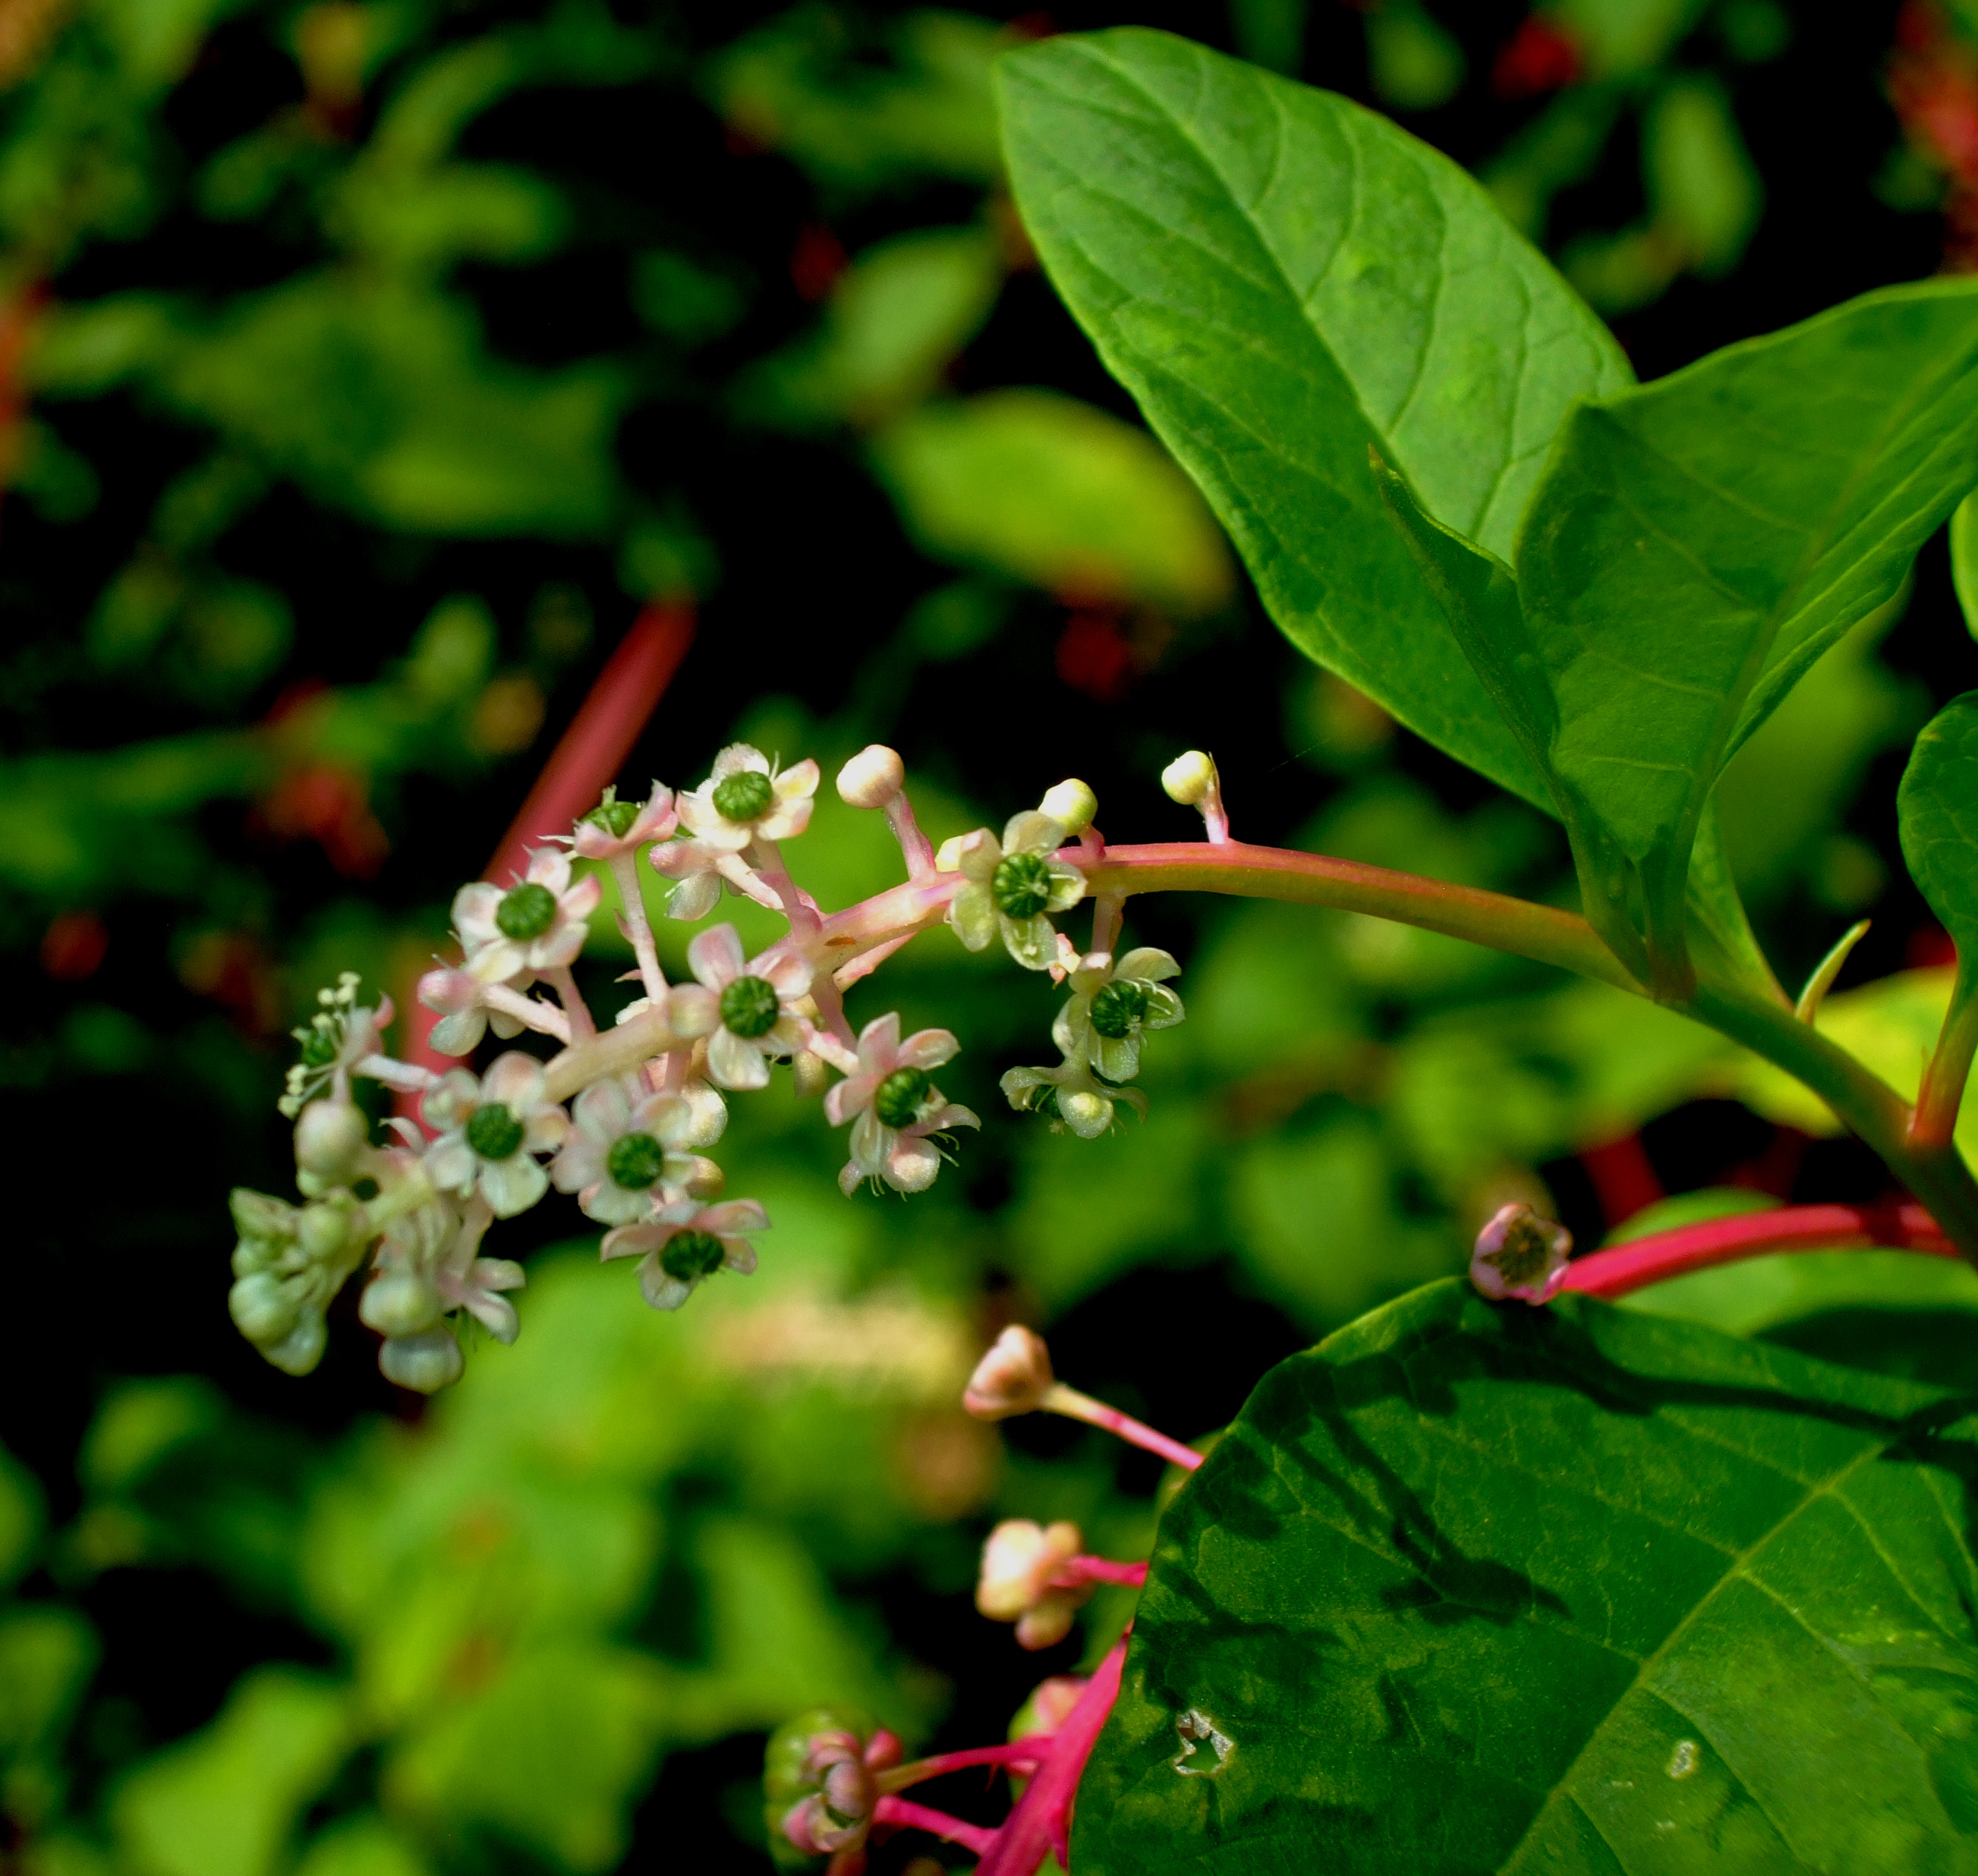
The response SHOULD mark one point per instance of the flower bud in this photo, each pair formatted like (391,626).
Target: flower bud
(264,1308)
(1191,778)
(301,1349)
(1012,1378)
(872,777)
(817,1779)
(1520,1254)
(323,1229)
(1018,1562)
(1071,803)
(399,1303)
(810,1073)
(425,1363)
(329,1135)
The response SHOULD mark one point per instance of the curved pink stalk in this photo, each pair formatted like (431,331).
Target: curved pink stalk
(1060,1399)
(904,1814)
(1629,1267)
(1041,1822)
(1021,1754)
(1099,1569)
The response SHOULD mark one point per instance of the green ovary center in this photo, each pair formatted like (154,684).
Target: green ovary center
(746,795)
(749,1008)
(1118,1008)
(635,1161)
(1021,886)
(1524,1254)
(494,1132)
(898,1099)
(691,1254)
(615,817)
(526,913)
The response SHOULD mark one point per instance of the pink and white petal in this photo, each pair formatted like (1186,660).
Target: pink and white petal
(1149,964)
(497,960)
(694,897)
(581,1164)
(879,1045)
(710,1114)
(449,992)
(661,1289)
(928,1048)
(610,1202)
(549,866)
(474,908)
(544,1128)
(496,1314)
(871,1140)
(450,1164)
(736,757)
(788,974)
(497,1274)
(692,1010)
(852,1095)
(786,821)
(715,957)
(740,1256)
(950,1114)
(515,1080)
(693,1177)
(461,1033)
(558,947)
(734,1063)
(512,1185)
(581,900)
(449,1104)
(798,782)
(735,1215)
(678,860)
(634,1240)
(789,1034)
(850,1178)
(912,1166)
(602,1112)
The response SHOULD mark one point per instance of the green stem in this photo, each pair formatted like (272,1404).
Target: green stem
(1950,1067)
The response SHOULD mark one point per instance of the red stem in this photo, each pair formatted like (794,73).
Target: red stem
(1628,1267)
(1099,1570)
(904,1814)
(1041,1822)
(1068,1401)
(1026,1751)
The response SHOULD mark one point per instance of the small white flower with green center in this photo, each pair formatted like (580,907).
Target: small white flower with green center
(683,1242)
(755,1019)
(1012,887)
(747,799)
(1072,1095)
(340,1036)
(613,828)
(539,923)
(489,1129)
(622,1145)
(460,999)
(1113,1005)
(894,1106)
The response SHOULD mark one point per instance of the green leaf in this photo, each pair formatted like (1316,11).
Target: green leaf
(1284,280)
(1964,560)
(1603,1591)
(1696,544)
(1938,804)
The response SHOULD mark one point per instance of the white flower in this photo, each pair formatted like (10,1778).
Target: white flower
(1018,1562)
(697,869)
(896,1106)
(488,1129)
(753,1004)
(1012,886)
(462,999)
(340,1036)
(467,1280)
(683,1242)
(746,799)
(1519,1254)
(539,923)
(1112,1004)
(1013,1377)
(1072,1095)
(621,1148)
(614,828)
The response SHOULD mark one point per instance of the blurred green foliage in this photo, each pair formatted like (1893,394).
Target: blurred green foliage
(375,359)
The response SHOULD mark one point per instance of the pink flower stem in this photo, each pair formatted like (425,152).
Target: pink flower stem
(574,1008)
(915,848)
(1628,1267)
(531,1012)
(1041,1822)
(1021,1754)
(1078,1570)
(1108,910)
(904,1814)
(1059,1398)
(638,928)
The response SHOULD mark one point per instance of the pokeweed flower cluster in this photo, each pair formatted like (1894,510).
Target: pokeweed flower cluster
(623,1118)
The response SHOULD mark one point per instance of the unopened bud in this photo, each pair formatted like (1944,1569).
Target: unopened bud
(323,1229)
(1012,1378)
(264,1308)
(1191,779)
(1018,1562)
(329,1135)
(1519,1254)
(425,1363)
(817,1778)
(399,1302)
(1071,803)
(301,1349)
(872,777)
(810,1073)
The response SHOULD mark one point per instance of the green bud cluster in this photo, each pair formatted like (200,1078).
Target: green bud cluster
(288,1264)
(746,795)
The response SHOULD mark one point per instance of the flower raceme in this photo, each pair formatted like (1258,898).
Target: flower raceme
(621,1116)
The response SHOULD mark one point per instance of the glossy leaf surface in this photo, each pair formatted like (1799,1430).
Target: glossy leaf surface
(1578,1590)
(1283,279)
(1939,806)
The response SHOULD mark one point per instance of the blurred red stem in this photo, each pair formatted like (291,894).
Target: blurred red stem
(1027,1752)
(904,1814)
(1099,1569)
(1059,1398)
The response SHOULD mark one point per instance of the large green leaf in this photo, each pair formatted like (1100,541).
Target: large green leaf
(1283,279)
(1473,1587)
(1938,803)
(1696,544)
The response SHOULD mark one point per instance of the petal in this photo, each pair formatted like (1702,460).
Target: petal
(461,1033)
(692,1011)
(790,1034)
(581,900)
(581,1163)
(789,975)
(678,860)
(450,992)
(951,1114)
(851,1096)
(544,1128)
(871,1140)
(786,821)
(1071,1026)
(495,1315)
(737,1215)
(1031,942)
(972,912)
(1031,832)
(912,1166)
(736,758)
(798,782)
(661,1290)
(610,1203)
(515,1080)
(450,1164)
(849,1177)
(549,866)
(741,1257)
(474,908)
(715,957)
(1150,964)
(1092,972)
(602,1112)
(1116,1057)
(694,897)
(1087,1115)
(1067,888)
(634,1240)
(558,947)
(733,1063)
(1164,1008)
(496,961)
(512,1185)
(497,1274)
(879,1045)
(449,1104)
(978,855)
(710,1114)
(928,1048)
